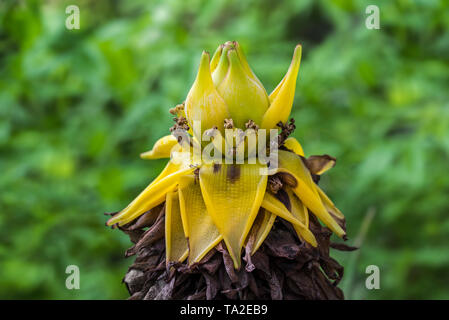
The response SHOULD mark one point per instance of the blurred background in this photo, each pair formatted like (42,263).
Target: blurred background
(78,106)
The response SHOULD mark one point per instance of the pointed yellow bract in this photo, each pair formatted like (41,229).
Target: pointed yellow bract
(161,148)
(233,194)
(330,206)
(294,145)
(175,242)
(304,187)
(300,212)
(272,204)
(199,228)
(264,223)
(216,58)
(221,69)
(282,97)
(203,102)
(152,196)
(245,99)
(246,66)
(172,167)
(297,208)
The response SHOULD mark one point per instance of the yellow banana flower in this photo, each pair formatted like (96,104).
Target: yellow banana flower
(207,202)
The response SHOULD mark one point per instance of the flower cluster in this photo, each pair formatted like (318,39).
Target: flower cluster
(207,202)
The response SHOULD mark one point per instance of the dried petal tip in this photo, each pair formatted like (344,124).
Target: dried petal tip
(320,164)
(282,97)
(178,110)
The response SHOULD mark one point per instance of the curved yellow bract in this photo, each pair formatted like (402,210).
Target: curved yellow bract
(152,196)
(275,206)
(161,148)
(304,187)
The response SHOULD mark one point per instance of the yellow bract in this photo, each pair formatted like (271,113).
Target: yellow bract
(245,99)
(302,214)
(294,145)
(216,58)
(204,104)
(302,184)
(275,206)
(171,168)
(176,248)
(221,69)
(200,230)
(161,148)
(330,206)
(152,196)
(246,66)
(264,223)
(282,97)
(233,194)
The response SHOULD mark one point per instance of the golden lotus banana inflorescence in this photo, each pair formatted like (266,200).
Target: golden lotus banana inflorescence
(207,202)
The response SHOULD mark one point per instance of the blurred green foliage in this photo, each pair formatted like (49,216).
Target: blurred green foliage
(78,106)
